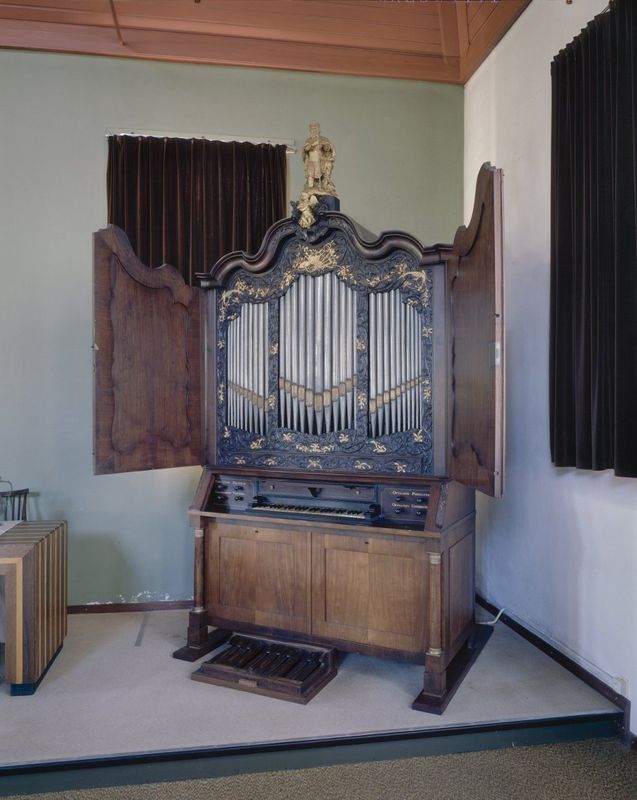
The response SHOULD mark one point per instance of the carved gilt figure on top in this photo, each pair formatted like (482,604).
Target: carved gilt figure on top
(318,160)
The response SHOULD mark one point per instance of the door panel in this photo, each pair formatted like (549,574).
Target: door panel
(346,571)
(477,342)
(147,412)
(258,575)
(369,590)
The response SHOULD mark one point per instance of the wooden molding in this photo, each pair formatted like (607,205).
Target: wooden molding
(113,608)
(434,41)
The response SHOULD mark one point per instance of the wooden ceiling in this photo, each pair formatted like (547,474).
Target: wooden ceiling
(415,39)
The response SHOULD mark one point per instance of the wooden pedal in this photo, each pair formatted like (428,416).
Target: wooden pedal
(282,670)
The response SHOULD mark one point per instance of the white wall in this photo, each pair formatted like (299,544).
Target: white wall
(560,550)
(399,164)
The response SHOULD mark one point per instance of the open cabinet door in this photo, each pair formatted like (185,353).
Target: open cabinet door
(477,344)
(147,410)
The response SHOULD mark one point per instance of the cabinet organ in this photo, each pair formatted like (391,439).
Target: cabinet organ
(345,396)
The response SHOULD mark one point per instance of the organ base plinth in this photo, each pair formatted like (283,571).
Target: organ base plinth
(200,640)
(282,670)
(440,687)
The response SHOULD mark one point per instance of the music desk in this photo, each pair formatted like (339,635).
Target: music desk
(33,569)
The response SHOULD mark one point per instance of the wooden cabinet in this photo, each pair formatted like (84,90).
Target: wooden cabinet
(378,591)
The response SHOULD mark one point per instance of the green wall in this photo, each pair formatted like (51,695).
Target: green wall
(399,151)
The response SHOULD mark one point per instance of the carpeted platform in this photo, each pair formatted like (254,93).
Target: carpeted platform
(115,690)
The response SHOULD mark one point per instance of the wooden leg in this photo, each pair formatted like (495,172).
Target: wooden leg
(200,641)
(440,685)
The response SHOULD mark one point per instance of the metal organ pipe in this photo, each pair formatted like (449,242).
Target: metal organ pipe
(395,364)
(317,355)
(327,355)
(300,290)
(319,345)
(342,357)
(247,369)
(317,361)
(336,357)
(293,393)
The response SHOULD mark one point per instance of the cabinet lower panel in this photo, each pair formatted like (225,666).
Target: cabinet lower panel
(369,590)
(258,575)
(373,589)
(359,591)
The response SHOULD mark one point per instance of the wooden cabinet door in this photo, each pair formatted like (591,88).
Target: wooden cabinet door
(260,576)
(147,397)
(370,590)
(477,342)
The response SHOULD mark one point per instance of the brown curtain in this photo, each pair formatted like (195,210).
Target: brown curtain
(593,341)
(187,202)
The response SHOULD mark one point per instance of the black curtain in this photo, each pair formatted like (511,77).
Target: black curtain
(593,338)
(186,202)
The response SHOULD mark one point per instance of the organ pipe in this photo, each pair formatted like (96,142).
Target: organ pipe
(395,364)
(247,369)
(317,355)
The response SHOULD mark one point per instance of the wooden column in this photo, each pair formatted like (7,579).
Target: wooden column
(435,680)
(199,572)
(200,641)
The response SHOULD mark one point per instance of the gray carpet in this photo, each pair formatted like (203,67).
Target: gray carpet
(590,770)
(114,689)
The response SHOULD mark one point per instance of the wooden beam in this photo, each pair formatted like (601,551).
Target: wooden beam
(226,50)
(435,41)
(449,30)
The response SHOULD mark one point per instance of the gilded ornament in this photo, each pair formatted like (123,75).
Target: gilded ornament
(287,437)
(221,393)
(231,296)
(362,400)
(343,438)
(271,462)
(313,463)
(306,204)
(360,345)
(239,460)
(257,444)
(400,467)
(378,447)
(419,436)
(345,273)
(315,447)
(274,349)
(363,465)
(314,260)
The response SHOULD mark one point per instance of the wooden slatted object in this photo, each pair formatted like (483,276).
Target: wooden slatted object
(33,568)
